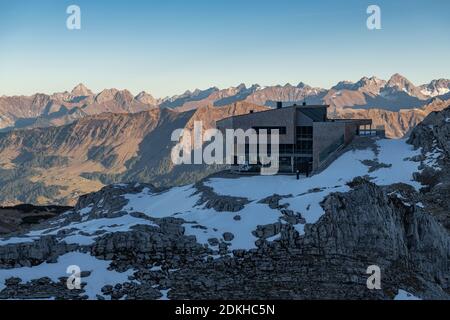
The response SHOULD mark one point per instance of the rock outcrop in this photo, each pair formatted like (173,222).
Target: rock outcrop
(432,136)
(363,227)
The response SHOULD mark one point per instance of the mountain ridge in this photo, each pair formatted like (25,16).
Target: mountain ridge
(367,93)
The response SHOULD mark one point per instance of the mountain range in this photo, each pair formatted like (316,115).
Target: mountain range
(41,110)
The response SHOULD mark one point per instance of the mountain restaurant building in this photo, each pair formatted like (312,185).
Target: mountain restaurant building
(308,140)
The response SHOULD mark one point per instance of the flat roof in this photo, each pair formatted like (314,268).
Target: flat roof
(297,106)
(361,120)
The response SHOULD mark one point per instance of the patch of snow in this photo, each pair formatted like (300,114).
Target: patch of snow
(275,237)
(442,91)
(120,185)
(155,268)
(433,157)
(300,228)
(201,222)
(420,205)
(15,240)
(252,215)
(341,171)
(435,93)
(99,277)
(108,225)
(164,294)
(404,295)
(89,228)
(86,210)
(162,204)
(395,152)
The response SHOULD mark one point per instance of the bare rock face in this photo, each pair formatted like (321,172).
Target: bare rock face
(396,123)
(210,199)
(108,202)
(22,217)
(81,91)
(433,137)
(106,95)
(150,245)
(384,230)
(434,131)
(361,228)
(28,254)
(366,226)
(147,98)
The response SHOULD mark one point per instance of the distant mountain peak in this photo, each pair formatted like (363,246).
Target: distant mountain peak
(123,97)
(370,85)
(146,98)
(398,80)
(436,87)
(81,90)
(106,95)
(303,85)
(344,85)
(241,86)
(400,83)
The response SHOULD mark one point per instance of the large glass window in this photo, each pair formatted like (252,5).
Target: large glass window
(286,148)
(303,164)
(304,146)
(304,132)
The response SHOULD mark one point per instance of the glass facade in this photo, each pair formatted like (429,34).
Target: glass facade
(304,140)
(304,132)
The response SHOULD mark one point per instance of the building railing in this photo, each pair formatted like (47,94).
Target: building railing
(378,131)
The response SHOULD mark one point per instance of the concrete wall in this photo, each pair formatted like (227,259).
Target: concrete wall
(325,134)
(350,131)
(284,117)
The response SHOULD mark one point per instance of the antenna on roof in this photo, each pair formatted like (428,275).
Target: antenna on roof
(304,99)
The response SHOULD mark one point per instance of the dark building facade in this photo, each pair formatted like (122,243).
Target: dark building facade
(307,138)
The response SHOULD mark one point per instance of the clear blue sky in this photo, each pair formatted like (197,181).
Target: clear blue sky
(166,47)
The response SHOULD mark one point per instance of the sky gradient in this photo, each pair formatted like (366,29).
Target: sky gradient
(167,47)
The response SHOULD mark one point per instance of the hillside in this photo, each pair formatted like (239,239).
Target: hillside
(382,202)
(397,123)
(55,165)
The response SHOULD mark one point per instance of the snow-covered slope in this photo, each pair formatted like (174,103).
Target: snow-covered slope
(216,218)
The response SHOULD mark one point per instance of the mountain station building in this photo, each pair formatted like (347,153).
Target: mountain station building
(308,140)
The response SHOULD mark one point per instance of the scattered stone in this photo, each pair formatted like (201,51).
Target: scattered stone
(228,236)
